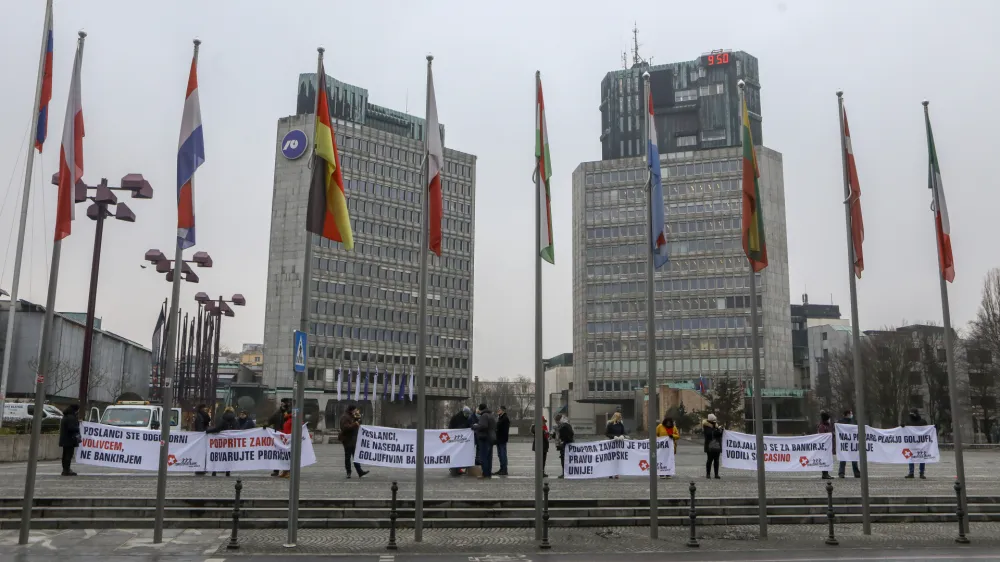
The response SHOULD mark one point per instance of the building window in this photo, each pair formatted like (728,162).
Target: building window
(719,88)
(621,147)
(685,95)
(824,336)
(714,135)
(690,140)
(701,72)
(703,91)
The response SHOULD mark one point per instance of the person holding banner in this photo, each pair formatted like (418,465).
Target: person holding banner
(915,419)
(350,423)
(69,437)
(825,426)
(848,419)
(486,437)
(564,434)
(668,429)
(713,445)
(286,428)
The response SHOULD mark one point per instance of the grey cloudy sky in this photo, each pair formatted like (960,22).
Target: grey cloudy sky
(886,56)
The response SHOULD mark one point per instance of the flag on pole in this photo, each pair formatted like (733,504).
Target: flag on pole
(392,393)
(411,383)
(348,381)
(946,260)
(854,200)
(357,386)
(546,248)
(45,95)
(340,380)
(190,155)
(71,153)
(367,377)
(753,218)
(327,214)
(658,224)
(402,386)
(435,162)
(386,386)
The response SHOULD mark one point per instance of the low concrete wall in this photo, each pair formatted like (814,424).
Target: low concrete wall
(14,448)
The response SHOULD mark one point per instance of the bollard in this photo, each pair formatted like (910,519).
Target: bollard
(234,543)
(392,518)
(545,518)
(830,540)
(961,539)
(693,539)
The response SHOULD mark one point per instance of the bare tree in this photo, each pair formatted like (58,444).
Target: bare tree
(62,379)
(726,400)
(982,346)
(935,376)
(887,357)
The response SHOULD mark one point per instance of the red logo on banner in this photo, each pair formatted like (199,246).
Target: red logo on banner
(444,437)
(907,453)
(644,465)
(804,461)
(40,379)
(171,460)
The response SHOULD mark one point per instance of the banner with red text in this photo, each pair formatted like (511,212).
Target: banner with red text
(899,445)
(139,449)
(255,449)
(803,453)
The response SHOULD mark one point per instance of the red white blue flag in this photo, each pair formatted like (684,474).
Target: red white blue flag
(45,94)
(190,155)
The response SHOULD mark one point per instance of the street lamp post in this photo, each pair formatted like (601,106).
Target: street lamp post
(103,198)
(217,309)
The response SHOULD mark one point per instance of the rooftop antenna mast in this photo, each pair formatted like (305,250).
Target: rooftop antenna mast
(624,61)
(636,59)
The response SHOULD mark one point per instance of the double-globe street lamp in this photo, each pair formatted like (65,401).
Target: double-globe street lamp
(103,198)
(217,309)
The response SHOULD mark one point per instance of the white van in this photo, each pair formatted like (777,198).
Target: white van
(138,414)
(24,411)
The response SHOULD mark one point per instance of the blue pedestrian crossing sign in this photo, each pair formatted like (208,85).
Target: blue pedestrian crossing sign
(299,351)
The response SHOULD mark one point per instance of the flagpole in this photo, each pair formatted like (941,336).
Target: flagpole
(949,355)
(418,520)
(539,372)
(859,374)
(44,360)
(652,409)
(758,387)
(25,195)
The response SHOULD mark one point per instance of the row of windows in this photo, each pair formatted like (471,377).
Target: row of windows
(329,352)
(329,377)
(405,235)
(396,253)
(400,194)
(397,213)
(676,324)
(716,364)
(615,196)
(330,330)
(673,171)
(673,305)
(395,295)
(703,246)
(372,270)
(406,156)
(712,207)
(367,312)
(669,285)
(615,385)
(705,225)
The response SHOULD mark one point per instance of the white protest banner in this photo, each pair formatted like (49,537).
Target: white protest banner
(397,448)
(617,457)
(139,449)
(255,449)
(782,454)
(899,445)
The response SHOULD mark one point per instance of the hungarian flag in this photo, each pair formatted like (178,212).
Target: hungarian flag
(544,170)
(435,161)
(854,200)
(753,218)
(327,214)
(943,225)
(71,152)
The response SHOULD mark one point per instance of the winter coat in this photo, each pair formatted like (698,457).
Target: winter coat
(245,423)
(503,428)
(226,423)
(202,421)
(472,420)
(277,419)
(69,428)
(459,421)
(712,432)
(564,434)
(915,420)
(349,430)
(824,427)
(847,421)
(615,429)
(287,428)
(486,426)
(672,432)
(545,437)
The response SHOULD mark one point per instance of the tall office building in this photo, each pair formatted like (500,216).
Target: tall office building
(363,302)
(702,296)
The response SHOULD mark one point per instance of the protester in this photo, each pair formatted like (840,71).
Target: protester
(244,421)
(69,437)
(226,423)
(350,424)
(202,422)
(486,437)
(503,435)
(564,434)
(667,429)
(713,445)
(545,443)
(286,428)
(473,420)
(848,419)
(277,419)
(915,419)
(459,421)
(825,426)
(615,430)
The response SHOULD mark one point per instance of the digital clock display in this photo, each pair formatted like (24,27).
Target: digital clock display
(716,59)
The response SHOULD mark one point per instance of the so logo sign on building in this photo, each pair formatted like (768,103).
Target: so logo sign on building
(294,144)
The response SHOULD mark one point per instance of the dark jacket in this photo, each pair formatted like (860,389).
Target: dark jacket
(459,421)
(711,431)
(847,421)
(472,420)
(226,423)
(245,423)
(486,426)
(277,419)
(503,428)
(69,428)
(545,437)
(565,434)
(349,430)
(915,420)
(202,421)
(615,429)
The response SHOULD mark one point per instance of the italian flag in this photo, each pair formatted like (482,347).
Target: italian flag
(942,224)
(753,219)
(544,171)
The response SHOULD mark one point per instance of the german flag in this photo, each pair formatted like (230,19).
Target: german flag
(753,218)
(327,214)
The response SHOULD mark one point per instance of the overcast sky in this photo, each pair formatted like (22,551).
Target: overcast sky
(886,56)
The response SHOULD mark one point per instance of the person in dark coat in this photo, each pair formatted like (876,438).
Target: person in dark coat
(244,421)
(915,419)
(69,437)
(202,422)
(227,422)
(616,427)
(503,436)
(459,421)
(473,420)
(545,443)
(350,424)
(564,434)
(277,421)
(713,445)
(825,426)
(848,419)
(486,437)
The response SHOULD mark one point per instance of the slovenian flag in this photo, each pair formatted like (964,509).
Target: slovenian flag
(435,162)
(658,233)
(190,155)
(45,94)
(71,152)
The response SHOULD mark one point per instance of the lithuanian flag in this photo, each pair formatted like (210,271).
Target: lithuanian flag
(327,212)
(753,218)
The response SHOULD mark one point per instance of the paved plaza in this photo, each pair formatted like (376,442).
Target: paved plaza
(326,479)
